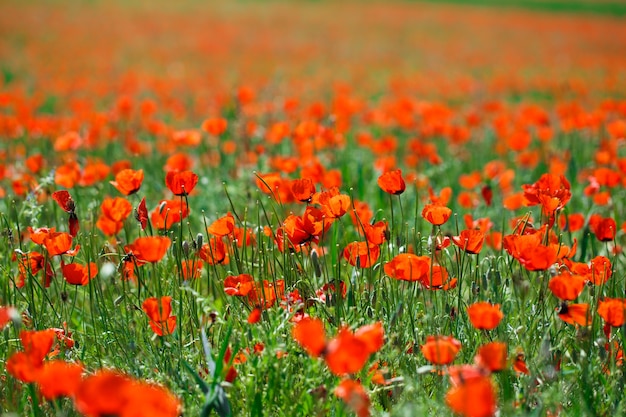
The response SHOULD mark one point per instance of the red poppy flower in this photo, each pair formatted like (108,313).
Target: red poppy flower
(111,393)
(519,364)
(240,285)
(159,313)
(361,254)
(603,228)
(344,354)
(168,213)
(215,126)
(347,353)
(39,235)
(440,350)
(223,226)
(266,296)
(392,182)
(575,314)
(128,181)
(353,394)
(408,267)
(612,311)
(32,263)
(566,286)
(64,200)
(335,206)
(552,192)
(59,379)
(77,274)
(436,214)
(254,316)
(492,356)
(307,228)
(310,334)
(149,248)
(600,270)
(59,243)
(438,279)
(214,252)
(113,213)
(243,237)
(102,393)
(27,365)
(303,189)
(181,183)
(530,252)
(485,315)
(377,233)
(141,214)
(473,397)
(471,241)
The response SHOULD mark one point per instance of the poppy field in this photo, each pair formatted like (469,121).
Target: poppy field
(312,209)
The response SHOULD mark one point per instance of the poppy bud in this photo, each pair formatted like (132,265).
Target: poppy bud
(316,263)
(199,240)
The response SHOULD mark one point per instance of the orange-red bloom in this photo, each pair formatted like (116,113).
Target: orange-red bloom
(181,183)
(159,313)
(307,228)
(348,352)
(254,316)
(59,243)
(149,248)
(303,189)
(215,125)
(612,311)
(440,350)
(530,252)
(492,356)
(64,200)
(353,394)
(471,241)
(361,254)
(552,192)
(310,334)
(392,182)
(408,267)
(77,274)
(436,214)
(604,228)
(59,379)
(474,396)
(223,226)
(32,263)
(27,365)
(111,393)
(168,213)
(344,354)
(128,181)
(566,286)
(239,285)
(485,315)
(575,314)
(141,214)
(214,252)
(113,213)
